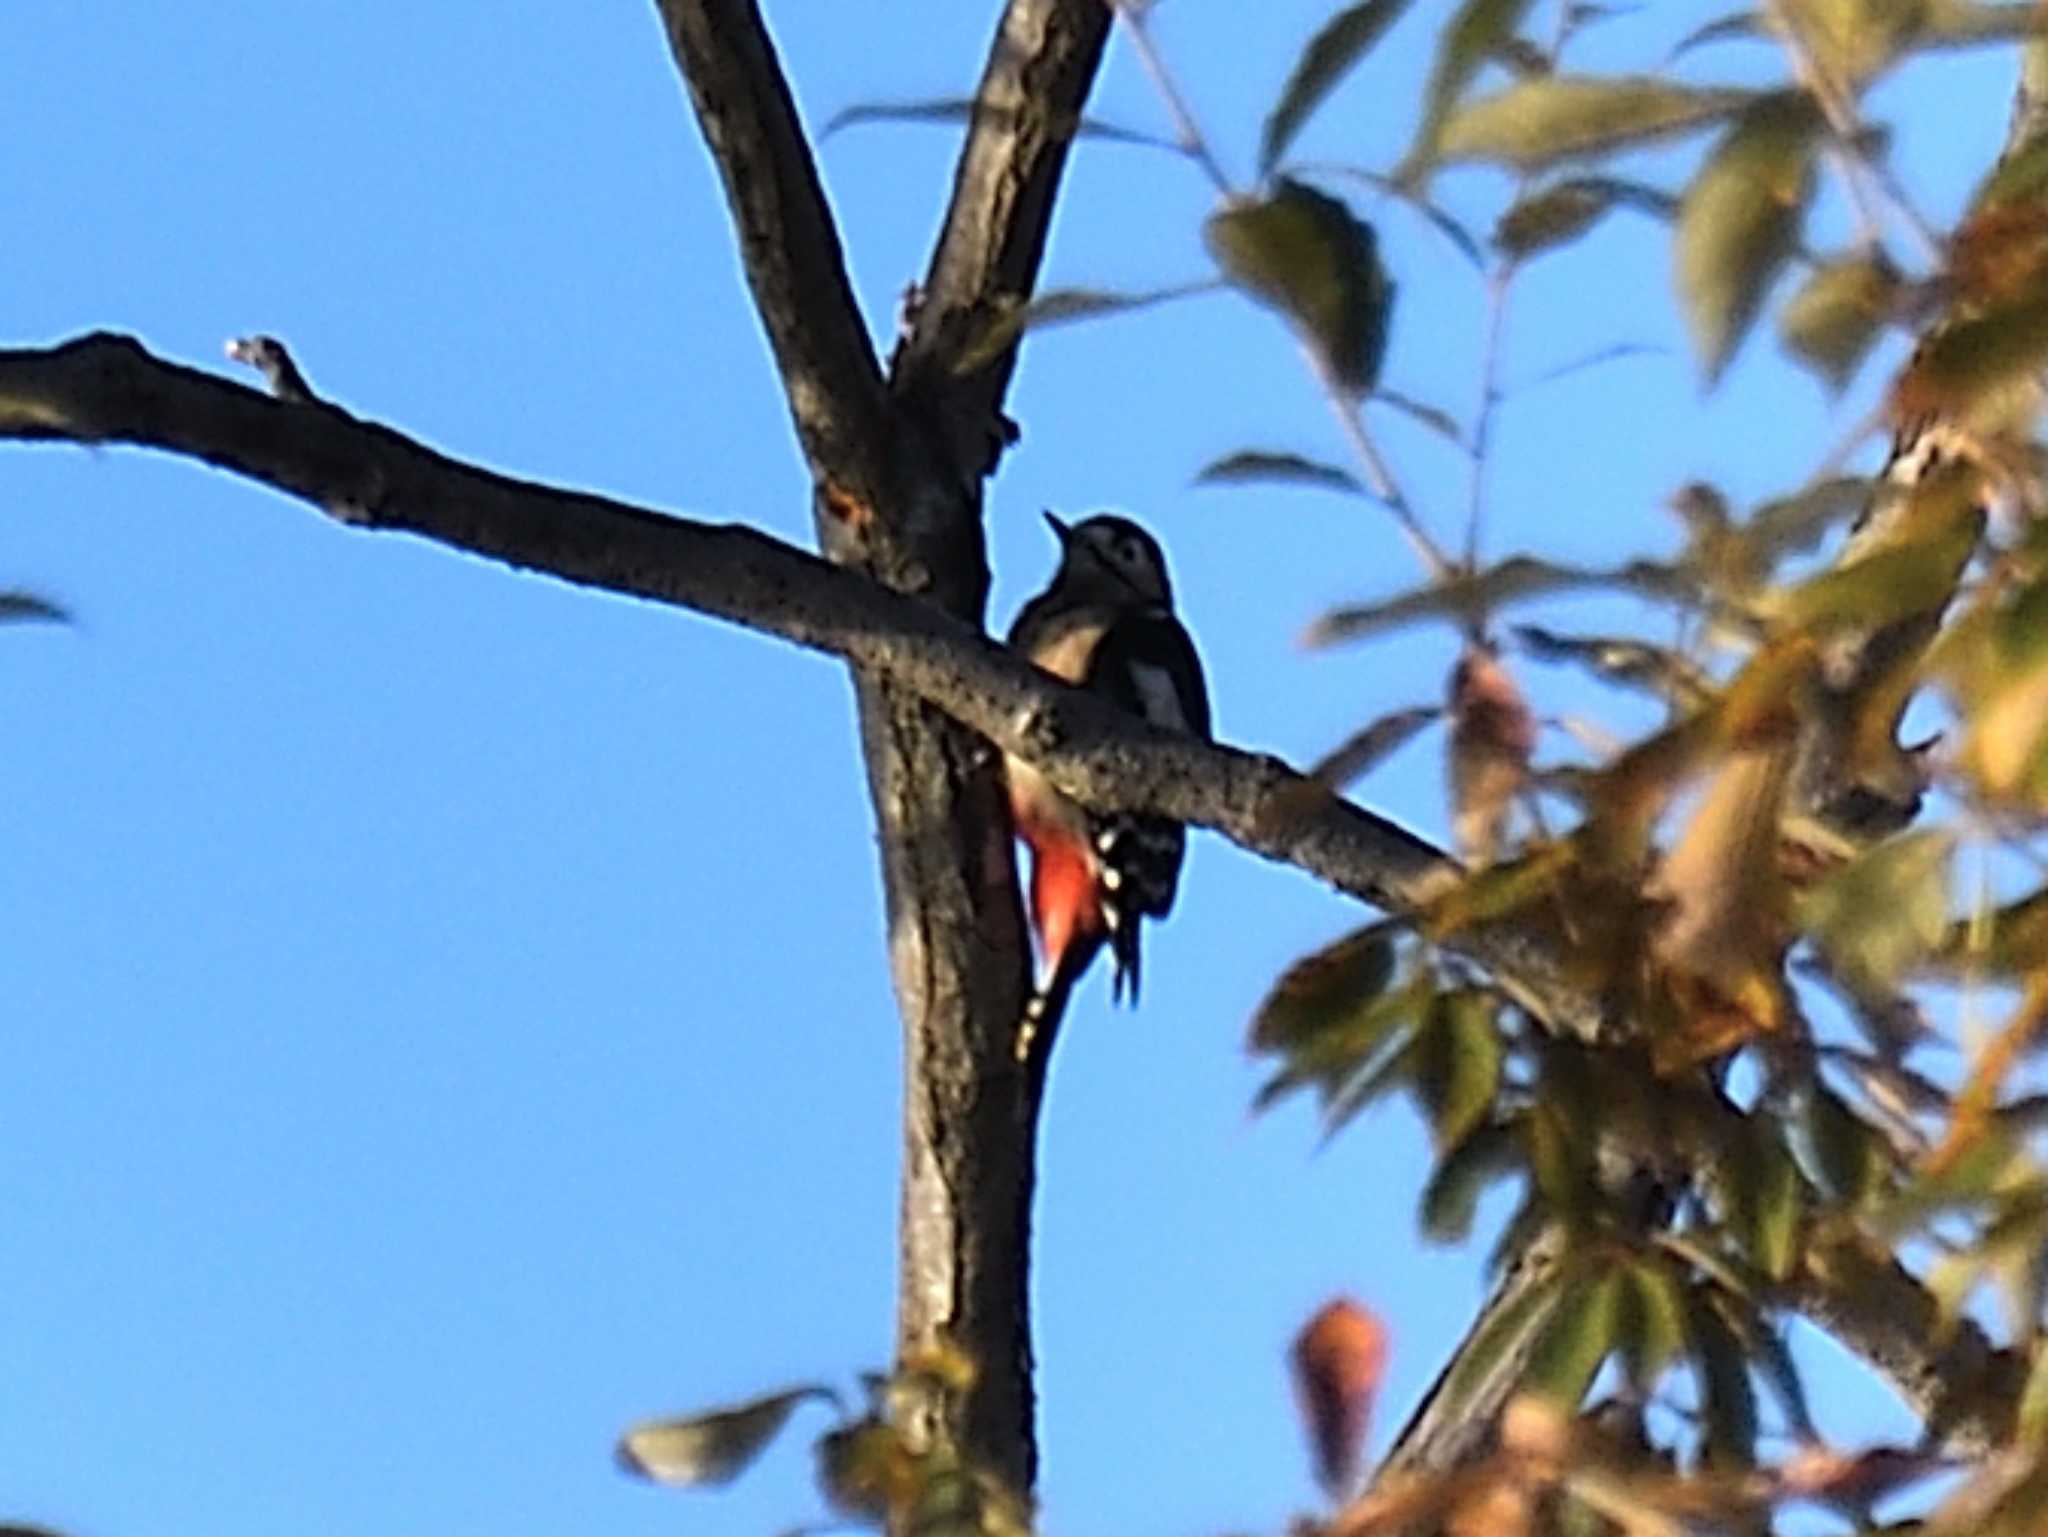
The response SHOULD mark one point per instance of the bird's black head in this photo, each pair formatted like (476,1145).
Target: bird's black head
(1113,552)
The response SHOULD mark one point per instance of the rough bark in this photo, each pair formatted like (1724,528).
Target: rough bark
(897,474)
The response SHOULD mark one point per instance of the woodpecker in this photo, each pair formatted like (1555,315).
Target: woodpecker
(1106,623)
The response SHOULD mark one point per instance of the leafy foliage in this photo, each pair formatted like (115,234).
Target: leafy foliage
(1308,256)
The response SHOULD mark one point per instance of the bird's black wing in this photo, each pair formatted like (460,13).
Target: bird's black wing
(1147,664)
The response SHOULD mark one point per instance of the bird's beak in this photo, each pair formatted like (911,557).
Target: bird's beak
(1060,529)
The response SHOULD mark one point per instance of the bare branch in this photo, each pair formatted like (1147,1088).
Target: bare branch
(109,389)
(787,239)
(1027,111)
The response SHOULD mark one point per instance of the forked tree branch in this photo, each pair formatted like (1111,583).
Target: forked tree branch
(1026,110)
(788,243)
(104,389)
(897,475)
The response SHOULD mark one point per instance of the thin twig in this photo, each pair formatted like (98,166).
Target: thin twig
(1342,399)
(1132,14)
(1838,106)
(1379,479)
(1498,284)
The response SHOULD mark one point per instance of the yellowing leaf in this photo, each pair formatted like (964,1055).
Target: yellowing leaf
(1475,32)
(712,1448)
(1309,257)
(1834,317)
(1726,928)
(868,1471)
(1551,118)
(1739,221)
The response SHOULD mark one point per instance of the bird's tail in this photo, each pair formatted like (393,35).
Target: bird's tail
(1047,1005)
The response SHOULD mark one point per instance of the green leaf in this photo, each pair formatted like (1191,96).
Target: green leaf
(2031,1421)
(1552,118)
(1308,256)
(1739,221)
(1578,1339)
(1514,580)
(1456,1064)
(1727,1394)
(1364,750)
(1343,1036)
(1450,1200)
(30,608)
(1856,40)
(1373,1077)
(1502,1341)
(1963,23)
(964,109)
(1331,54)
(1849,1158)
(1326,991)
(1913,572)
(1560,1159)
(1740,26)
(709,1449)
(1423,414)
(1879,915)
(1060,306)
(1475,32)
(1974,361)
(1652,1327)
(1773,1359)
(1566,209)
(1766,1199)
(1271,466)
(1412,198)
(1834,318)
(1794,525)
(1624,660)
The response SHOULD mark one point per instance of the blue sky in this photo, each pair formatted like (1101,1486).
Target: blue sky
(449,1016)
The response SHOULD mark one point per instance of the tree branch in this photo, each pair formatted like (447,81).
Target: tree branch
(889,499)
(1026,109)
(788,242)
(107,389)
(103,389)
